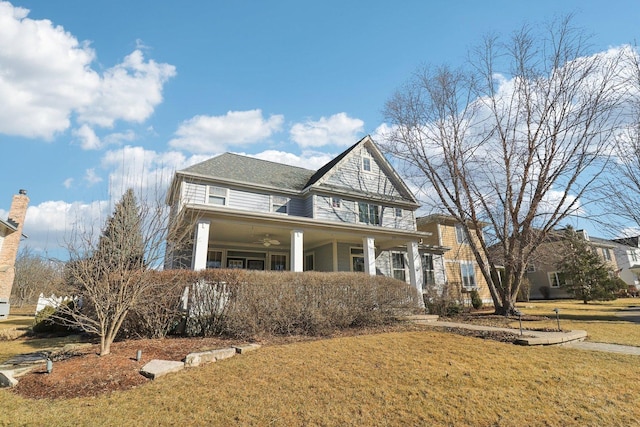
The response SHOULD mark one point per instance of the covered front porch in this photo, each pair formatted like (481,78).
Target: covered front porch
(259,241)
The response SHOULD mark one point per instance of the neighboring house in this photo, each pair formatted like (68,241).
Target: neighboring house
(353,214)
(627,253)
(462,271)
(545,281)
(10,234)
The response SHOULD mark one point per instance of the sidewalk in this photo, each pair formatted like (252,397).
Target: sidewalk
(571,339)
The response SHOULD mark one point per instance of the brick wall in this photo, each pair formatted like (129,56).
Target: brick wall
(11,242)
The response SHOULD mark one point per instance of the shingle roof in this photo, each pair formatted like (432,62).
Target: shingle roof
(229,166)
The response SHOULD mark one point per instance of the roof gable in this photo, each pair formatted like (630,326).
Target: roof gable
(344,173)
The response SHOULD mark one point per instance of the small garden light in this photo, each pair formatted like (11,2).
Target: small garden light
(557,310)
(49,366)
(138,355)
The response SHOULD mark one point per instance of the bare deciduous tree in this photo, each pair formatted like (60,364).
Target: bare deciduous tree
(109,275)
(35,274)
(516,141)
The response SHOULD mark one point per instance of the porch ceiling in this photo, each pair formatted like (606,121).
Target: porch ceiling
(244,229)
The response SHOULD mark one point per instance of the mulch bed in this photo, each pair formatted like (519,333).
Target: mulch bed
(83,373)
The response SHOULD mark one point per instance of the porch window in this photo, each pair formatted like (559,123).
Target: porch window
(309,261)
(428,270)
(368,213)
(461,235)
(556,279)
(278,262)
(468,275)
(357,260)
(214,259)
(398,264)
(279,204)
(217,195)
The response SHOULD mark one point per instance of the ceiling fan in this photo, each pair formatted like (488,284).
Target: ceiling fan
(268,241)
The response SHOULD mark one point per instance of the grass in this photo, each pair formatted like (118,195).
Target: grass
(597,318)
(409,378)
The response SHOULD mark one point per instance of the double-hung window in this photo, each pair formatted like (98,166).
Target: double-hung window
(556,279)
(368,213)
(461,234)
(217,195)
(468,275)
(428,270)
(398,264)
(366,164)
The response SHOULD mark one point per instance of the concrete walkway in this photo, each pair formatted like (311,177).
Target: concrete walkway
(570,339)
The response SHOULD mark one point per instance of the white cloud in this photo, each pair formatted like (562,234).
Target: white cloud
(87,138)
(47,77)
(143,170)
(308,159)
(91,177)
(214,134)
(129,91)
(68,183)
(339,129)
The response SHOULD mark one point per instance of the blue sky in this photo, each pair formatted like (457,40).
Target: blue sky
(97,94)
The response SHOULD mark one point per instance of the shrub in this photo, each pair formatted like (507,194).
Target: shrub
(251,303)
(51,320)
(476,301)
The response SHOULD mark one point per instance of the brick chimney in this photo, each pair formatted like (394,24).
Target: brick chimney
(9,247)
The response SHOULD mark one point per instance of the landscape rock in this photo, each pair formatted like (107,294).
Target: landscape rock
(245,348)
(157,368)
(196,359)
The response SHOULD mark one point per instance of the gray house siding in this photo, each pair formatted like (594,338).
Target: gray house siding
(324,258)
(351,177)
(249,201)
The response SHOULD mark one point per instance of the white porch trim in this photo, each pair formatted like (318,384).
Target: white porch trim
(201,245)
(369,249)
(297,251)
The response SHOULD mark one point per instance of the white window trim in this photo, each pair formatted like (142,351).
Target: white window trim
(355,255)
(551,275)
(273,199)
(465,239)
(362,164)
(368,212)
(404,265)
(475,277)
(226,195)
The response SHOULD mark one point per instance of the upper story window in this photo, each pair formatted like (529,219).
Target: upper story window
(398,212)
(336,202)
(279,204)
(368,213)
(217,195)
(366,164)
(633,255)
(461,234)
(606,254)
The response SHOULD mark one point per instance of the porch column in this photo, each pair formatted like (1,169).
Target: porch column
(415,270)
(297,250)
(335,255)
(369,250)
(200,245)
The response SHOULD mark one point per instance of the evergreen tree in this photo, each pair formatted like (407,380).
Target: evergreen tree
(587,276)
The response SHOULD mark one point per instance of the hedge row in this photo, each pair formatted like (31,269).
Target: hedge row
(246,304)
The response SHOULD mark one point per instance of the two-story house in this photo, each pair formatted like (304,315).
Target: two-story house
(545,281)
(627,253)
(353,214)
(461,268)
